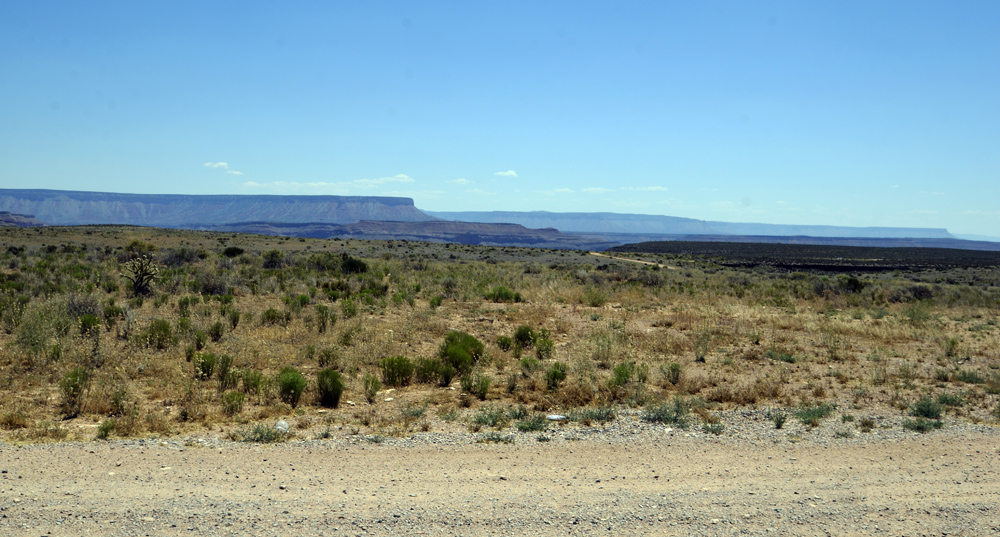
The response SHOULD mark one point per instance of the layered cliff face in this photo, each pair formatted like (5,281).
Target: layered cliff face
(61,207)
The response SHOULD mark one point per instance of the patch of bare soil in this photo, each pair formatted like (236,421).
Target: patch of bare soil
(935,484)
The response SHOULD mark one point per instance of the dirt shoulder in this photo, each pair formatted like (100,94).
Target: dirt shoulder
(945,482)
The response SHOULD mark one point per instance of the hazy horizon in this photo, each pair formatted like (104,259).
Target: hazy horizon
(847,114)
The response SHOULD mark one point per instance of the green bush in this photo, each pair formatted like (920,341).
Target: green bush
(969,376)
(460,350)
(89,324)
(259,434)
(544,347)
(200,339)
(621,375)
(272,316)
(446,373)
(327,357)
(466,383)
(72,388)
(230,381)
(372,386)
(811,415)
(105,428)
(951,399)
(158,335)
(435,302)
(330,385)
(778,418)
(204,364)
(490,416)
(673,373)
(922,425)
(396,370)
(234,318)
(348,308)
(503,294)
(232,251)
(594,297)
(555,375)
(714,428)
(350,265)
(427,370)
(675,413)
(529,364)
(253,381)
(505,343)
(481,386)
(291,384)
(216,331)
(223,368)
(457,358)
(495,438)
(782,357)
(232,403)
(586,416)
(524,336)
(322,318)
(535,423)
(273,259)
(926,408)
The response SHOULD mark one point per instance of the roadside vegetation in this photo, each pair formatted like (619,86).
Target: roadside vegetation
(110,331)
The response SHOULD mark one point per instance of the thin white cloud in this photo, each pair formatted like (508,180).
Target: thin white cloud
(596,190)
(508,173)
(781,203)
(925,212)
(222,166)
(894,186)
(480,192)
(460,181)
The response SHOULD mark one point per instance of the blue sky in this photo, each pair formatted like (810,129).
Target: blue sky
(841,113)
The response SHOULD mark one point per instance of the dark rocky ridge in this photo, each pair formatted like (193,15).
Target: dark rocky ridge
(875,242)
(673,225)
(63,207)
(9,219)
(436,231)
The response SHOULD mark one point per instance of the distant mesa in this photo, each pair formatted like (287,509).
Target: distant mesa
(645,224)
(394,218)
(63,207)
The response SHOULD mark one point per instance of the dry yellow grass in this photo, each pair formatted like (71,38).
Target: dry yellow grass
(757,349)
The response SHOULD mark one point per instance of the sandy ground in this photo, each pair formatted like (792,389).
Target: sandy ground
(925,485)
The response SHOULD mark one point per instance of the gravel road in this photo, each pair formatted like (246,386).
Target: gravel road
(629,478)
